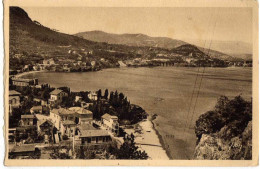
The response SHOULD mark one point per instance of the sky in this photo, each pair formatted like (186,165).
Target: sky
(219,24)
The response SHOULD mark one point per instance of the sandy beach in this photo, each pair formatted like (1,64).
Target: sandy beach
(148,141)
(27,73)
(154,149)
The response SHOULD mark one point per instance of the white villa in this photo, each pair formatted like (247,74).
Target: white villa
(14,100)
(57,96)
(92,96)
(111,123)
(66,120)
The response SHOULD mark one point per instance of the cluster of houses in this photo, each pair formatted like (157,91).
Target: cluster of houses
(74,123)
(64,65)
(79,61)
(164,59)
(61,63)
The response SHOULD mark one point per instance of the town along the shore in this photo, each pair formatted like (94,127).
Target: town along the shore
(56,123)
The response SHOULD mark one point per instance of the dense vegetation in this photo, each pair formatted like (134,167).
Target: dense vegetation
(129,150)
(114,104)
(117,104)
(227,128)
(235,114)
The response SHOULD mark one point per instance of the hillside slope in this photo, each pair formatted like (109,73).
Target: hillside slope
(131,39)
(144,40)
(31,41)
(28,35)
(228,47)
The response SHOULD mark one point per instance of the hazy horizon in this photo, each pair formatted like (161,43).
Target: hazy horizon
(187,24)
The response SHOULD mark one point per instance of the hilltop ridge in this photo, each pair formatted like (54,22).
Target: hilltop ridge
(137,39)
(31,42)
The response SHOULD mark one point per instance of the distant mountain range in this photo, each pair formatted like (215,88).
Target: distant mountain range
(35,41)
(234,48)
(131,39)
(30,38)
(221,49)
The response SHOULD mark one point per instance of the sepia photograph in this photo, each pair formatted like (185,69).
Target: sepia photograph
(119,83)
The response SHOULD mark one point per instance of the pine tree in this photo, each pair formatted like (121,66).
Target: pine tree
(106,94)
(99,94)
(111,97)
(129,150)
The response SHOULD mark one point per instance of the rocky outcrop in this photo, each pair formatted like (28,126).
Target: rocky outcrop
(214,147)
(225,133)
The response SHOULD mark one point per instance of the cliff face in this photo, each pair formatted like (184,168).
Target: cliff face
(226,132)
(213,147)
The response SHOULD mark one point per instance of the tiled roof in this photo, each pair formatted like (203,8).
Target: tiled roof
(93,133)
(23,148)
(68,122)
(22,128)
(56,91)
(86,127)
(40,122)
(27,116)
(42,117)
(80,110)
(13,92)
(108,117)
(37,99)
(36,108)
(62,111)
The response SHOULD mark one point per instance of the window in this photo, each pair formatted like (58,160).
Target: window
(89,140)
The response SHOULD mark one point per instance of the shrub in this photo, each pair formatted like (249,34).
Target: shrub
(229,116)
(129,150)
(65,137)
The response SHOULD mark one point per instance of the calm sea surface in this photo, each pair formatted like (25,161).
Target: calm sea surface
(166,91)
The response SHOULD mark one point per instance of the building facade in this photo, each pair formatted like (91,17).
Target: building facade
(66,120)
(24,82)
(48,62)
(111,123)
(90,137)
(27,120)
(92,96)
(56,96)
(14,100)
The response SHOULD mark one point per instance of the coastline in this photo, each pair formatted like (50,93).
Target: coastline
(20,75)
(155,148)
(150,141)
(161,140)
(177,144)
